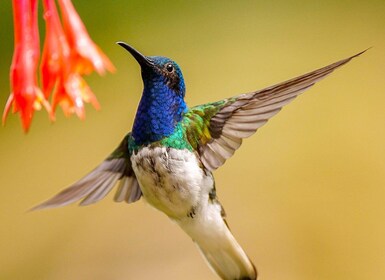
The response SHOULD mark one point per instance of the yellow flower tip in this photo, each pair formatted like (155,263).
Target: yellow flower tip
(40,102)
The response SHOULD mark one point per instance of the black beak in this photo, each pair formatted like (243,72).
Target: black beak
(143,61)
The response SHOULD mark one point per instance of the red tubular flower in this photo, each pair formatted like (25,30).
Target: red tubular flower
(25,95)
(58,67)
(56,51)
(86,54)
(68,54)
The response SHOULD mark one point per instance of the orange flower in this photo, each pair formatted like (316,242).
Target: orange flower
(86,55)
(68,54)
(56,51)
(59,66)
(25,96)
(71,95)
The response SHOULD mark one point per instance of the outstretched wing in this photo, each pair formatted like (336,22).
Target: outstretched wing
(100,181)
(222,125)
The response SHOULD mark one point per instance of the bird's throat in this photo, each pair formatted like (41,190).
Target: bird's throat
(160,110)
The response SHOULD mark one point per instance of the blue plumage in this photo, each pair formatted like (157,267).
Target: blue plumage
(162,104)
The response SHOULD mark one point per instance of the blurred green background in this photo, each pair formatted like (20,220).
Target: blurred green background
(304,196)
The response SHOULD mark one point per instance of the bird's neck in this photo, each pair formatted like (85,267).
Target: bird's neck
(160,110)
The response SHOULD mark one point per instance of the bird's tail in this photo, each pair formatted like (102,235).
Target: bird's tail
(219,247)
(227,258)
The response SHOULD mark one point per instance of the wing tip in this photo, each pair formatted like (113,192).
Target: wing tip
(360,53)
(40,207)
(48,205)
(364,50)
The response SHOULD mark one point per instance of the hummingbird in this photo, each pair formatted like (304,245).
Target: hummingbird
(169,156)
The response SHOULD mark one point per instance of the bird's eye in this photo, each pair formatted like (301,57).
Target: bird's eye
(169,67)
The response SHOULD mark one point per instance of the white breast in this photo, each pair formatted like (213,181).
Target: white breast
(171,180)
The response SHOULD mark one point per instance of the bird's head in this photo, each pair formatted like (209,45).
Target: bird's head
(159,72)
(162,104)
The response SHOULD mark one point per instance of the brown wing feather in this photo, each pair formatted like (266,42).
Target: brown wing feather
(241,116)
(100,181)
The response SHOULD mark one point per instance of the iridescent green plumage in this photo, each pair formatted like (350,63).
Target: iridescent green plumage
(192,131)
(196,123)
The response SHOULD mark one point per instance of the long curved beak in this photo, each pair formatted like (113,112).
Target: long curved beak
(143,60)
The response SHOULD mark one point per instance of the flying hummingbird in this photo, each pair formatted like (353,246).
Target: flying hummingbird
(170,155)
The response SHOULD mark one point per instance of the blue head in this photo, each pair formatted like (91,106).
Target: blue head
(162,104)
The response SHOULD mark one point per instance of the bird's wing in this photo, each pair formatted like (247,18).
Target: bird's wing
(216,129)
(100,181)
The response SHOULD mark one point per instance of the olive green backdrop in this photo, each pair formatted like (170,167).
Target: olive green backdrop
(304,196)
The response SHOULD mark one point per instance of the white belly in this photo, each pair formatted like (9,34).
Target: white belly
(171,180)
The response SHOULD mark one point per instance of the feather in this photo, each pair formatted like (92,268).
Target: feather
(217,244)
(239,117)
(99,182)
